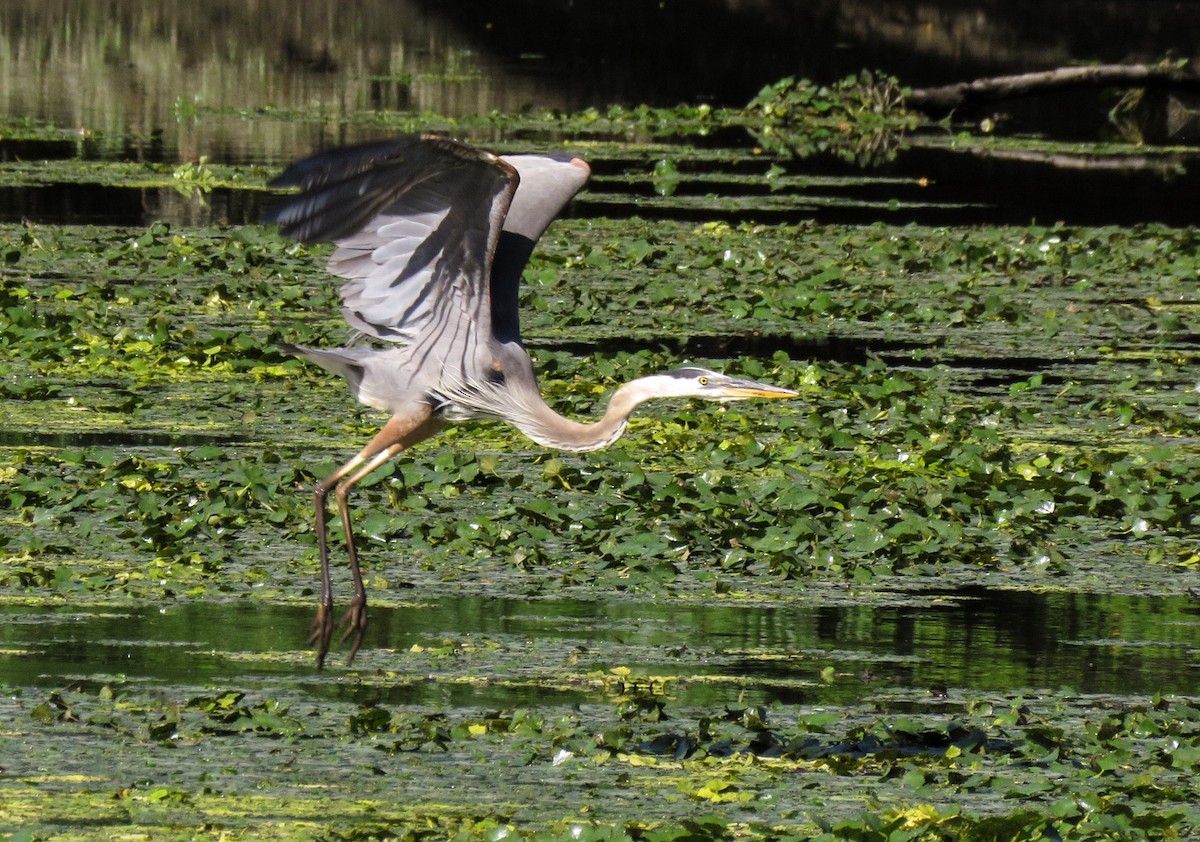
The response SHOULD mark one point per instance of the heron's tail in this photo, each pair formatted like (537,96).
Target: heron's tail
(343,361)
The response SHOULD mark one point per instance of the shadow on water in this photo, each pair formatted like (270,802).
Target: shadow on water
(113,438)
(750,344)
(982,642)
(19,149)
(960,188)
(100,204)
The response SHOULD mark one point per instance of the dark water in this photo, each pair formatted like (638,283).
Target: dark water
(123,63)
(961,190)
(986,642)
(167,82)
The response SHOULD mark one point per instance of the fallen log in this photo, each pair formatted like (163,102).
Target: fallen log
(948,97)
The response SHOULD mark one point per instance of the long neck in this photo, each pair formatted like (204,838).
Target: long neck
(547,427)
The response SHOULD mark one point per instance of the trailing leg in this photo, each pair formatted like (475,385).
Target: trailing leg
(400,433)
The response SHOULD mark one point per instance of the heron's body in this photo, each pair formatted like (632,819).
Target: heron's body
(432,236)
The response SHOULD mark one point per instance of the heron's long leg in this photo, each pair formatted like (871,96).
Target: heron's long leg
(398,434)
(322,627)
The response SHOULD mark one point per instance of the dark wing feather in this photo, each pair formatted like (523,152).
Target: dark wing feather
(416,221)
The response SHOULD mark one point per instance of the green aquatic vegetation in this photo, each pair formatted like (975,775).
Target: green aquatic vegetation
(1013,406)
(628,126)
(113,303)
(884,467)
(194,180)
(1056,765)
(860,119)
(189,178)
(187,526)
(905,282)
(14,127)
(781,615)
(882,474)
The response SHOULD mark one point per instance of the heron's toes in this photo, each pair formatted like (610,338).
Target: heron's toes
(321,632)
(354,622)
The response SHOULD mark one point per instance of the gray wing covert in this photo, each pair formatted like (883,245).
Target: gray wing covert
(416,222)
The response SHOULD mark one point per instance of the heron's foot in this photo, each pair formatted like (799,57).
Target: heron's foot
(321,632)
(354,621)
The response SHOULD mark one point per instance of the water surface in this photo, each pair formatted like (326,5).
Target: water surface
(983,642)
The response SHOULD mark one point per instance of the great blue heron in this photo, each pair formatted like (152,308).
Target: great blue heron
(432,236)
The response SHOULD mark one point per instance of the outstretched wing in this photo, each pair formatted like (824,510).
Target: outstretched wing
(416,221)
(548,182)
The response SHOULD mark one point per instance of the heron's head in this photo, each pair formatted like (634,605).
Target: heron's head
(693,382)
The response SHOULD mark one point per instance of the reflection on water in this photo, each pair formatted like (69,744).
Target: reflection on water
(991,642)
(124,438)
(136,70)
(97,204)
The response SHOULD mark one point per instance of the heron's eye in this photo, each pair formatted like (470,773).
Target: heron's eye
(703,381)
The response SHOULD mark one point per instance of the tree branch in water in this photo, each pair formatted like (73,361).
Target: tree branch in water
(948,97)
